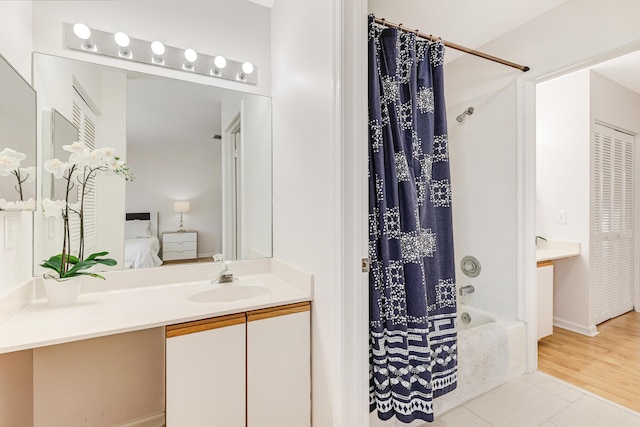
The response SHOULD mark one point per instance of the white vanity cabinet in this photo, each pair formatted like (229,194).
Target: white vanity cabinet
(545,298)
(205,372)
(278,367)
(249,369)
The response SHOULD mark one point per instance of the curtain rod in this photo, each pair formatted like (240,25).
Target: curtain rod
(455,46)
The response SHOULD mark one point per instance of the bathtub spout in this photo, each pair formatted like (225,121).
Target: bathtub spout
(466,290)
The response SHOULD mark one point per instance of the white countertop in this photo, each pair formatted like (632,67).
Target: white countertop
(105,313)
(552,250)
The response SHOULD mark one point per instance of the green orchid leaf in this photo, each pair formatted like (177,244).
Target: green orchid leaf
(54,266)
(82,265)
(93,256)
(106,261)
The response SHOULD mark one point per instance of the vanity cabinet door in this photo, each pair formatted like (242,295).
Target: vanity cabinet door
(206,373)
(545,298)
(278,366)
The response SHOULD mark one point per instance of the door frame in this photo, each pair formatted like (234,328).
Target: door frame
(230,184)
(526,184)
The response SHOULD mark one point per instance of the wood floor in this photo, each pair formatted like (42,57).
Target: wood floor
(607,364)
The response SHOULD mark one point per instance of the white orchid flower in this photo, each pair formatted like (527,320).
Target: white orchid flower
(105,152)
(8,164)
(56,167)
(28,174)
(94,159)
(75,147)
(28,205)
(80,157)
(13,153)
(53,208)
(115,163)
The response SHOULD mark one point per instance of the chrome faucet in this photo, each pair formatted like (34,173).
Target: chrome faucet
(225,276)
(466,290)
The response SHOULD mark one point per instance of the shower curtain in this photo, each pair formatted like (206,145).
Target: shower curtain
(412,276)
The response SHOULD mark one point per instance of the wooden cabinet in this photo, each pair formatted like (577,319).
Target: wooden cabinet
(178,245)
(278,367)
(545,298)
(205,373)
(244,370)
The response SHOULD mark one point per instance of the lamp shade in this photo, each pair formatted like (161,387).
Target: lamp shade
(181,206)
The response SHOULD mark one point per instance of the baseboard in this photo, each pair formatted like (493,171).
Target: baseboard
(156,420)
(588,330)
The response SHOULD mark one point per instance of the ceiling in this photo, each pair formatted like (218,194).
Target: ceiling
(470,23)
(624,69)
(474,23)
(171,112)
(189,111)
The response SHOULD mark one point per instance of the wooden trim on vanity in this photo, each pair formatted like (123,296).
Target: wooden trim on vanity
(282,310)
(204,325)
(544,263)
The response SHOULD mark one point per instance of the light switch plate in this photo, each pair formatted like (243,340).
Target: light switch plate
(51,227)
(561,217)
(9,233)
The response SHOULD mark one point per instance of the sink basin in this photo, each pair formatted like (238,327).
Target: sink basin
(229,293)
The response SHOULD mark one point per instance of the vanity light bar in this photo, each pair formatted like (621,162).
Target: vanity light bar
(104,43)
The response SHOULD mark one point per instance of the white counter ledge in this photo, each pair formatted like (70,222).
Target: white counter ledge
(105,313)
(552,250)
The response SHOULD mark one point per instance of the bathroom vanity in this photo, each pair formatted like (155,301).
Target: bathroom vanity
(546,254)
(237,354)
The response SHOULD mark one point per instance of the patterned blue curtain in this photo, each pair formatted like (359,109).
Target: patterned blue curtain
(412,277)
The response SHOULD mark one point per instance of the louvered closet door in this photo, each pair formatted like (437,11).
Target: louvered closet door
(86,121)
(612,223)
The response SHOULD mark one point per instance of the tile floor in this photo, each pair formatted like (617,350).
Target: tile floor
(538,400)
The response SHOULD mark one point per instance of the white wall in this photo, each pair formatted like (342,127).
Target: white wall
(110,202)
(16,38)
(16,45)
(563,116)
(567,108)
(552,41)
(256,170)
(236,29)
(107,381)
(483,152)
(306,178)
(16,258)
(189,172)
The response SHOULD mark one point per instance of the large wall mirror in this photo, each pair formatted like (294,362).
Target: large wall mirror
(17,139)
(200,156)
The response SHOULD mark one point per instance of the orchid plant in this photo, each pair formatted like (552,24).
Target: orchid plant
(10,166)
(83,164)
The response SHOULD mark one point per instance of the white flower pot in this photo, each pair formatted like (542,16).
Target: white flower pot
(61,293)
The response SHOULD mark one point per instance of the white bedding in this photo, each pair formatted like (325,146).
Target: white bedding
(142,252)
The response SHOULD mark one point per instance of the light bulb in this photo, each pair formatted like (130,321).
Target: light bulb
(247,67)
(82,31)
(220,62)
(121,39)
(157,48)
(190,55)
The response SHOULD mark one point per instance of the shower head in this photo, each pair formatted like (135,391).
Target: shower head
(467,112)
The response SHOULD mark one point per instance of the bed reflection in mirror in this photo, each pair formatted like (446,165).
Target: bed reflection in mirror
(181,141)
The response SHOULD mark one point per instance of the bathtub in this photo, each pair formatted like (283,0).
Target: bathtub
(491,351)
